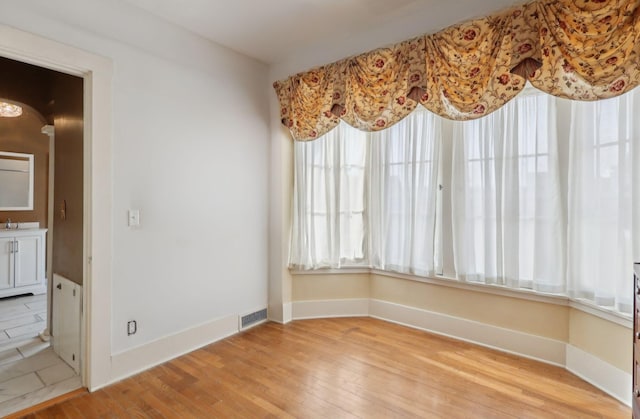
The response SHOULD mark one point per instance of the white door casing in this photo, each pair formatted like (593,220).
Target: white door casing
(97,72)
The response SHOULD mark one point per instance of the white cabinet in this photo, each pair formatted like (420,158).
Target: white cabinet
(67,312)
(22,262)
(6,263)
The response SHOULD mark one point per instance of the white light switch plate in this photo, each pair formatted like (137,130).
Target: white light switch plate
(134,218)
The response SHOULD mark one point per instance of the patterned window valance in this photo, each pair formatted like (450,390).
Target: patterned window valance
(578,49)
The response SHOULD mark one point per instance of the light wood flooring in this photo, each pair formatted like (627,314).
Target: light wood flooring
(30,372)
(344,368)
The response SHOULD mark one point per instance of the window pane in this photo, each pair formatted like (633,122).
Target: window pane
(506,197)
(329,193)
(403,198)
(602,190)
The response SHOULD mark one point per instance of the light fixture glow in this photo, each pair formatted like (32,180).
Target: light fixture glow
(10,110)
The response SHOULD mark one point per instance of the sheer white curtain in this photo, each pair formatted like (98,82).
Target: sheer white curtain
(604,197)
(372,199)
(507,211)
(403,178)
(329,196)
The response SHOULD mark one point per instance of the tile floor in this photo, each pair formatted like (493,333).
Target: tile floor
(30,372)
(21,318)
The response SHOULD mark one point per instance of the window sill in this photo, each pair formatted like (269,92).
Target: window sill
(332,271)
(586,306)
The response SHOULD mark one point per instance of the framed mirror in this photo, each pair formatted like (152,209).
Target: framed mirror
(16,181)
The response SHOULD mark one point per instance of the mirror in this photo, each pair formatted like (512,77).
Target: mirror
(16,181)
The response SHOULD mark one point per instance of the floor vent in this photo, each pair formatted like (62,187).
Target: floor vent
(252,319)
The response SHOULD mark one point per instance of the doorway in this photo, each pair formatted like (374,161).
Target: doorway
(96,72)
(30,366)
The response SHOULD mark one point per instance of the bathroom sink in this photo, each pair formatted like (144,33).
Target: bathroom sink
(20,226)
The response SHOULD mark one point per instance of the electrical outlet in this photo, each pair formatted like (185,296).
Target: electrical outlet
(132,327)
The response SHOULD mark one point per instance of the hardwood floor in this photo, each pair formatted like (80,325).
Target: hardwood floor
(343,368)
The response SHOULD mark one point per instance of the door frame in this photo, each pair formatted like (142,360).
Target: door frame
(96,72)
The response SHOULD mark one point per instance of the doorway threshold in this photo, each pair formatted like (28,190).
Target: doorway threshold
(48,403)
(39,377)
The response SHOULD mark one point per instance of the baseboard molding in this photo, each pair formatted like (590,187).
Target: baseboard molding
(590,368)
(531,346)
(535,347)
(141,358)
(606,377)
(287,312)
(316,309)
(279,313)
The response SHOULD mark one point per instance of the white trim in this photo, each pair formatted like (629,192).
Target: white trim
(279,313)
(97,72)
(539,348)
(316,309)
(611,380)
(50,131)
(287,312)
(332,271)
(606,377)
(141,358)
(98,187)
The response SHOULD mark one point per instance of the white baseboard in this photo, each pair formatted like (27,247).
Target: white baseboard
(315,309)
(535,347)
(279,313)
(287,312)
(606,377)
(141,358)
(590,368)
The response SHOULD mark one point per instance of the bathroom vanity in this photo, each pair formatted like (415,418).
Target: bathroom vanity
(22,261)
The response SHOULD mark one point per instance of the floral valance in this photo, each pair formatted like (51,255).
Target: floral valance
(578,49)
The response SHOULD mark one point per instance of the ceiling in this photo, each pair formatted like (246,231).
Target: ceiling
(274,30)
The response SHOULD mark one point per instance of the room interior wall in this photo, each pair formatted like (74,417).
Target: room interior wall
(68,199)
(27,84)
(190,151)
(533,317)
(280,187)
(22,135)
(606,340)
(327,287)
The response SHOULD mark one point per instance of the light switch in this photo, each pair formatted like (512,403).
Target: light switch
(134,218)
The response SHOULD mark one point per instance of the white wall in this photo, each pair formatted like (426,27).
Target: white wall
(190,150)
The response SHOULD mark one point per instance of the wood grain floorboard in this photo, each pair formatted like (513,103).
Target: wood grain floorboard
(344,368)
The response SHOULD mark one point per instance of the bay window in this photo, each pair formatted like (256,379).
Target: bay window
(494,200)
